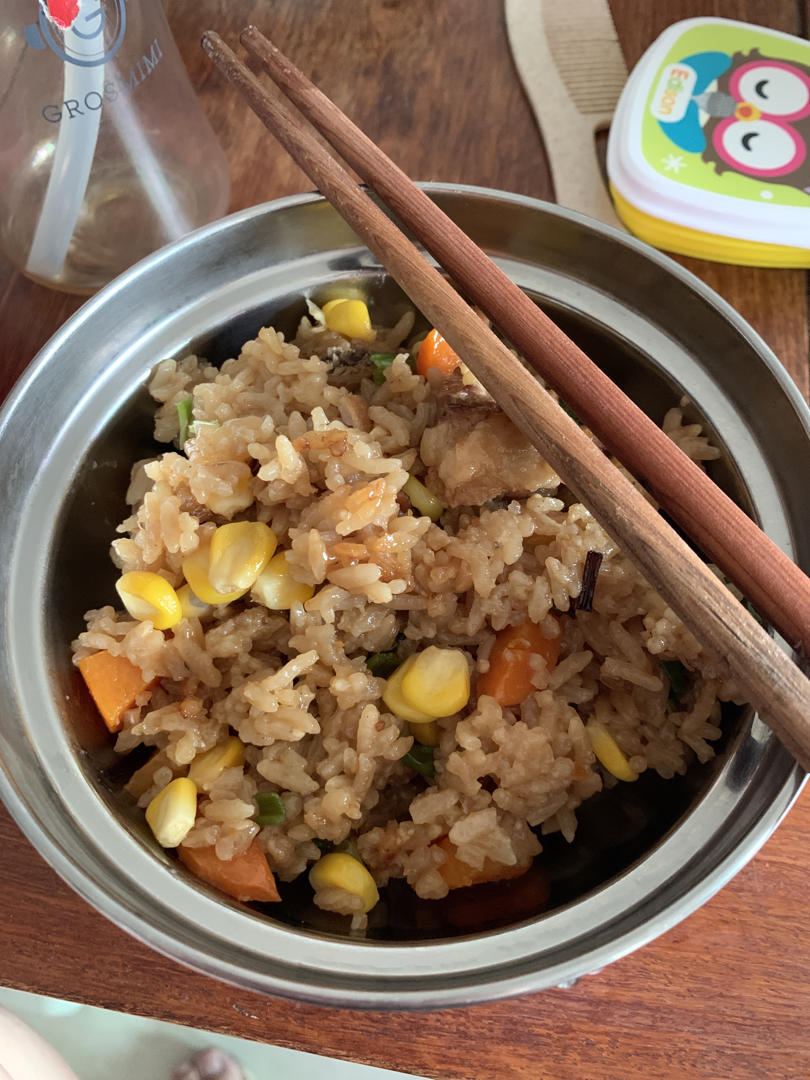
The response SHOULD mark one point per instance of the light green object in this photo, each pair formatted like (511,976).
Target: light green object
(709,152)
(98,1043)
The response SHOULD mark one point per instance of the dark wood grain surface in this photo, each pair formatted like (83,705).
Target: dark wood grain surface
(725,995)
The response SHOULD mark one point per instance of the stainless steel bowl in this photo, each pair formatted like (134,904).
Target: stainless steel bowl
(646,855)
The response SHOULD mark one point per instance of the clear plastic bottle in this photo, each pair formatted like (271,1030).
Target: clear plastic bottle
(105,153)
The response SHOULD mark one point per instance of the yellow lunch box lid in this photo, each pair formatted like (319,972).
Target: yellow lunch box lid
(709,149)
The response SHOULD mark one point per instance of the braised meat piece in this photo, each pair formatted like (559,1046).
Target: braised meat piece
(350,363)
(474,452)
(456,399)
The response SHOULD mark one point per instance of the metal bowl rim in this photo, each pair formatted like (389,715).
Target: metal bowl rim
(370,997)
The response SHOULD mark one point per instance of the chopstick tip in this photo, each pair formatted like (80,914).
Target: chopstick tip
(210,41)
(252,33)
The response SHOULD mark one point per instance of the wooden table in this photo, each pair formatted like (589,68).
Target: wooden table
(726,994)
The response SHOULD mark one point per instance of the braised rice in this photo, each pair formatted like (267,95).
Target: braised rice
(323,465)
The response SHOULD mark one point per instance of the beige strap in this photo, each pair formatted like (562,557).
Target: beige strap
(570,61)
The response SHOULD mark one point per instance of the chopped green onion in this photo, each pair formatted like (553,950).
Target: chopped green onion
(420,759)
(195,425)
(348,847)
(271,808)
(381,361)
(423,499)
(676,673)
(383,664)
(184,419)
(567,409)
(753,611)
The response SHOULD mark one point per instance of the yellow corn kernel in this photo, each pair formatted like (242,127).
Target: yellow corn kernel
(143,778)
(609,753)
(425,734)
(340,871)
(277,589)
(191,605)
(195,569)
(396,702)
(207,767)
(171,813)
(467,377)
(239,552)
(237,482)
(428,504)
(149,596)
(349,318)
(438,681)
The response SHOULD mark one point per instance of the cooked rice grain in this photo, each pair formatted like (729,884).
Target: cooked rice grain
(324,465)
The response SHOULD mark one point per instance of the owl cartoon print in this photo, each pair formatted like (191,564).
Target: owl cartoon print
(745,113)
(709,148)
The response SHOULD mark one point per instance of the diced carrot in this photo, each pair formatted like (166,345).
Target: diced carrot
(434,352)
(244,877)
(509,678)
(460,875)
(497,903)
(114,682)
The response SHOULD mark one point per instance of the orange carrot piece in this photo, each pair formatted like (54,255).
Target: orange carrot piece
(496,903)
(114,682)
(244,877)
(460,875)
(509,679)
(434,352)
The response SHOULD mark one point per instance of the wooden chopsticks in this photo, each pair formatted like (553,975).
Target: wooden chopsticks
(727,536)
(766,675)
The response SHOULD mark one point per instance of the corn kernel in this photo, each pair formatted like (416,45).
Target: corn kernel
(340,871)
(394,699)
(425,734)
(467,377)
(195,569)
(143,778)
(239,552)
(171,813)
(349,318)
(438,681)
(149,596)
(238,483)
(191,605)
(206,768)
(609,753)
(428,504)
(277,589)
